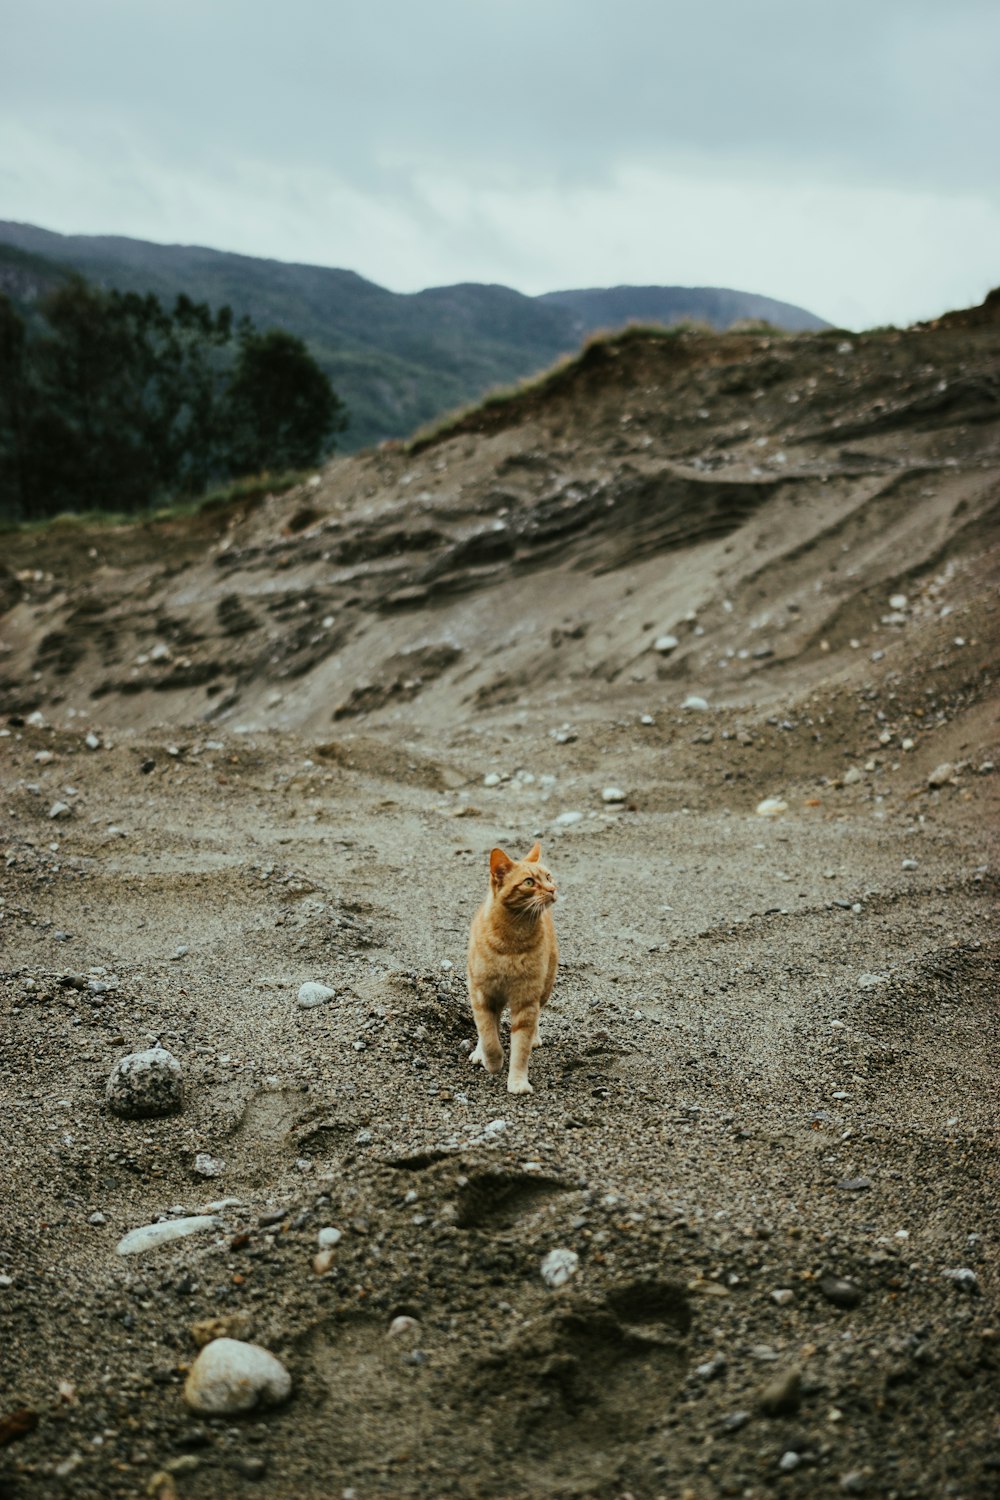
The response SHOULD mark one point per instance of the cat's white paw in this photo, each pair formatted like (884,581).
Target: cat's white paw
(476,1056)
(519,1086)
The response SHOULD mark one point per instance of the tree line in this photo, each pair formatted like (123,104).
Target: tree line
(108,401)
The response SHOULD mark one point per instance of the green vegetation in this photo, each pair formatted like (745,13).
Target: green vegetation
(109,403)
(398,361)
(599,344)
(238,492)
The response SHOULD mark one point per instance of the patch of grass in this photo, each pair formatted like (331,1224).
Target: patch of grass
(597,345)
(252,488)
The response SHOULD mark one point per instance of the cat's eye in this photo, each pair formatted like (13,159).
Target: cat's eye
(529,881)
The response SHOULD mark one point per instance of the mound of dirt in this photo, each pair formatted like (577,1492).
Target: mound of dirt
(715,618)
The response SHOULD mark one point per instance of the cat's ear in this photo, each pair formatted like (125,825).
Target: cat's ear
(500,863)
(533,854)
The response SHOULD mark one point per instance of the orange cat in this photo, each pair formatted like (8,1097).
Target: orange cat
(513,957)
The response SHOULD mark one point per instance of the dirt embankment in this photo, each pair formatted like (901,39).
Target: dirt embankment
(277,745)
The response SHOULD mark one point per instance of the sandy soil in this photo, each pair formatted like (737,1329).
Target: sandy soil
(769,1063)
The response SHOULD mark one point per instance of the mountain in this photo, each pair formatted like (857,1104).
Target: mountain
(613,307)
(398,360)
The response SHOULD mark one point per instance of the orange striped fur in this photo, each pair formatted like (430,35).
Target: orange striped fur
(513,957)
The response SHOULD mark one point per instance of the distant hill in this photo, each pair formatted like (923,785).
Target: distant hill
(613,307)
(397,360)
(25,276)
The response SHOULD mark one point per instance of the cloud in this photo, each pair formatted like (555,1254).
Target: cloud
(841,156)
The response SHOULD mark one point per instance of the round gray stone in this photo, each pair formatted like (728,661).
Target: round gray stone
(146,1084)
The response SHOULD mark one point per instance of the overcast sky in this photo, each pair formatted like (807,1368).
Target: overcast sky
(840,154)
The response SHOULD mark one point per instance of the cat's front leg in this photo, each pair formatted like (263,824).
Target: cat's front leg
(488,1049)
(523,1031)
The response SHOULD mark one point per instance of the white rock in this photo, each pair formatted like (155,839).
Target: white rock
(852,776)
(909,864)
(567,819)
(782,1295)
(44,758)
(92,742)
(558,1266)
(963,1277)
(694,701)
(665,644)
(60,810)
(208,1166)
(940,776)
(612,794)
(329,1237)
(151,1235)
(871,981)
(311,994)
(161,652)
(771,807)
(230,1376)
(898,601)
(493,778)
(400,1326)
(647,719)
(146,1084)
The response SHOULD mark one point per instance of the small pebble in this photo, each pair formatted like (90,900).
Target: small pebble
(782,1296)
(60,810)
(558,1266)
(208,1166)
(783,1393)
(151,1235)
(612,794)
(771,807)
(693,701)
(789,1461)
(401,1326)
(230,1376)
(329,1237)
(312,993)
(840,1291)
(964,1278)
(323,1261)
(144,1085)
(665,644)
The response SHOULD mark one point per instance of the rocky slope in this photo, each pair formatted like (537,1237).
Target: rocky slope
(716,619)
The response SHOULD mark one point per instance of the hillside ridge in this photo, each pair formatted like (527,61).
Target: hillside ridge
(398,360)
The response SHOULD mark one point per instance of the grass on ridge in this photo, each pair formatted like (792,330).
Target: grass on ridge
(604,341)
